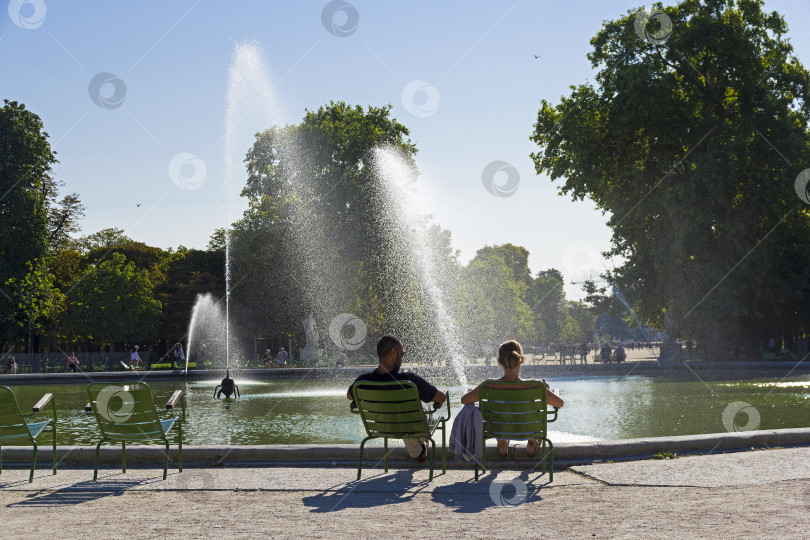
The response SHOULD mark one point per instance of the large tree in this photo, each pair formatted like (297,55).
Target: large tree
(114,303)
(311,240)
(25,165)
(692,146)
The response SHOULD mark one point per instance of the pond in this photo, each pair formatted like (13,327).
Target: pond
(596,408)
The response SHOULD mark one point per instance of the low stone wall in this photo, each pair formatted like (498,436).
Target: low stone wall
(346,455)
(473,373)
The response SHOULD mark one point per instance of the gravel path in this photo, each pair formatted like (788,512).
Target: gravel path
(762,494)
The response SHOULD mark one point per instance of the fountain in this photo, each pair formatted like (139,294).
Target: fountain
(402,194)
(403,233)
(250,100)
(208,332)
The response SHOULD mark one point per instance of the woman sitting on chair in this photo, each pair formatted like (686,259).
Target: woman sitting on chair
(510,358)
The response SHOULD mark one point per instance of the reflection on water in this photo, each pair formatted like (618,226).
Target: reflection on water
(300,412)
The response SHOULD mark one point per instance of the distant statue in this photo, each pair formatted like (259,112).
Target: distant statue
(311,332)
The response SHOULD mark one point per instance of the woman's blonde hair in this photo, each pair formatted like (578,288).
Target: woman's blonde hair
(510,353)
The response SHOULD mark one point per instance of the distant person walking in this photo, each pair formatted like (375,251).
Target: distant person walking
(12,365)
(72,362)
(179,355)
(134,358)
(282,358)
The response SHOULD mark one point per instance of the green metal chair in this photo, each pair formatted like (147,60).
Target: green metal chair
(517,414)
(15,430)
(126,412)
(393,410)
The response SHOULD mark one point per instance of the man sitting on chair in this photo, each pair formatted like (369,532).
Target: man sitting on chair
(390,353)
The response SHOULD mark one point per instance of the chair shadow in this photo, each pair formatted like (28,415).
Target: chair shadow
(78,493)
(383,489)
(473,497)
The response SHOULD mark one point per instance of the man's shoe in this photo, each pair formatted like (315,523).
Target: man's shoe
(423,456)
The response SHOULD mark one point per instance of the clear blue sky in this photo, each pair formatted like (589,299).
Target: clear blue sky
(174,58)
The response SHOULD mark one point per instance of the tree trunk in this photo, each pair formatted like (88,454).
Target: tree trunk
(670,348)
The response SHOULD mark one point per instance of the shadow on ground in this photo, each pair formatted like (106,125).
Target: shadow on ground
(79,493)
(492,490)
(380,490)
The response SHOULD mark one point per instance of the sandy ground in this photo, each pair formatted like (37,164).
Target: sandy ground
(759,494)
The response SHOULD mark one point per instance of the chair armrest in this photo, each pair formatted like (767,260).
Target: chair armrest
(551,416)
(438,406)
(173,400)
(43,402)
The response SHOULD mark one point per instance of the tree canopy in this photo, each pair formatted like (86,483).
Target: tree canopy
(692,146)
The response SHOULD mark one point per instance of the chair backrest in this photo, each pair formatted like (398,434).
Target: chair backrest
(125,411)
(391,409)
(12,424)
(514,413)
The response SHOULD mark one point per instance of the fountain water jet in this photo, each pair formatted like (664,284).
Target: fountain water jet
(251,103)
(208,330)
(408,222)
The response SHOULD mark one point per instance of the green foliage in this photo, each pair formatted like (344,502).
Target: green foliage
(187,274)
(25,164)
(103,239)
(515,257)
(547,301)
(676,142)
(502,307)
(291,265)
(38,300)
(113,302)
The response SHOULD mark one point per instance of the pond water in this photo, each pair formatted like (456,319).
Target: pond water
(596,408)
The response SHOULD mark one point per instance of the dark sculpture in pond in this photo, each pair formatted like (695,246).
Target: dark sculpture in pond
(227,387)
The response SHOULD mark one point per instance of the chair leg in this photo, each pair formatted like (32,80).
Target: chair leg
(385,457)
(180,449)
(166,459)
(444,449)
(360,461)
(33,464)
(53,450)
(123,456)
(1,460)
(432,457)
(551,461)
(98,449)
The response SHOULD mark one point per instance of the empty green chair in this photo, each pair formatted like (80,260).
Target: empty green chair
(14,430)
(393,410)
(518,415)
(126,412)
